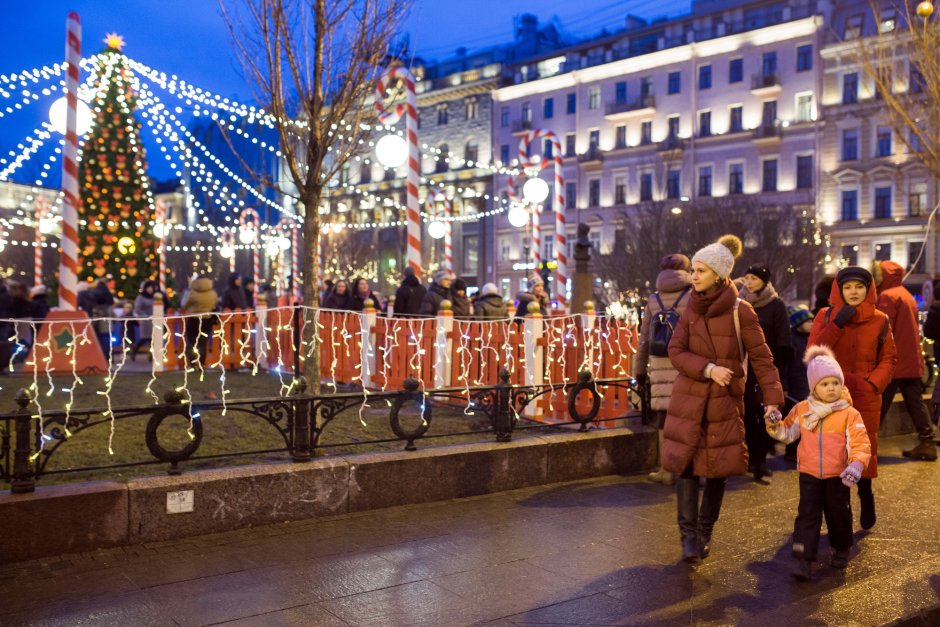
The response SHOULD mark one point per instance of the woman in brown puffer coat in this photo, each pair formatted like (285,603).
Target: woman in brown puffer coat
(673,285)
(704,433)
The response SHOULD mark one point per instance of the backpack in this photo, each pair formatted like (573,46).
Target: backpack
(663,324)
(882,337)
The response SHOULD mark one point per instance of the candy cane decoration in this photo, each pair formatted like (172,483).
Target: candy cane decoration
(561,239)
(535,213)
(68,248)
(42,212)
(159,218)
(295,262)
(410,112)
(246,213)
(448,236)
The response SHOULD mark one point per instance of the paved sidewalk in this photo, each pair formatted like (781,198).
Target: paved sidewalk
(598,552)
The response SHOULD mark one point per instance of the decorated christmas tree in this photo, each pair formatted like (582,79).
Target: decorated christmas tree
(115,235)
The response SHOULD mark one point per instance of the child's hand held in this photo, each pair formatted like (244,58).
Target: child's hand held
(852,473)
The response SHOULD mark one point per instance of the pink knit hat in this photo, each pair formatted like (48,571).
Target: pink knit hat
(821,363)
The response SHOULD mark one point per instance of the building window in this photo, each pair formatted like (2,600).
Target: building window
(674,83)
(804,58)
(850,88)
(917,200)
(571,105)
(526,112)
(916,80)
(887,22)
(849,205)
(916,262)
(769,114)
(915,144)
(769,64)
(882,203)
(620,135)
(365,173)
(736,124)
(885,77)
(804,172)
(594,193)
(620,191)
(705,180)
(344,174)
(704,123)
(769,175)
(736,178)
(471,258)
(548,249)
(442,115)
(883,251)
(471,151)
(504,154)
(442,163)
(570,140)
(672,183)
(883,143)
(571,195)
(849,254)
(548,151)
(705,77)
(472,108)
(548,108)
(594,98)
(736,70)
(646,186)
(504,117)
(646,87)
(852,27)
(620,92)
(850,144)
(673,122)
(805,108)
(594,139)
(505,248)
(646,133)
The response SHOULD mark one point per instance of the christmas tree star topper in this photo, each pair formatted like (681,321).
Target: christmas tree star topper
(115,41)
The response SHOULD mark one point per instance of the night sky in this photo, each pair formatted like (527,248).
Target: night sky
(190,38)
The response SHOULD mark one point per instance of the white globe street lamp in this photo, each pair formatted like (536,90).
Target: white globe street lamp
(46,225)
(535,190)
(161,230)
(59,110)
(391,151)
(246,235)
(227,250)
(283,243)
(272,248)
(437,229)
(518,216)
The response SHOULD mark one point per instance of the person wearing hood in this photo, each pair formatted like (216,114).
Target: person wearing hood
(338,297)
(438,292)
(898,304)
(409,295)
(360,293)
(861,339)
(234,297)
(704,430)
(458,296)
(201,299)
(143,309)
(489,305)
(771,312)
(535,294)
(673,284)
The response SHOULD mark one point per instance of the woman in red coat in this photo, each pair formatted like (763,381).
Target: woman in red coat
(861,338)
(704,430)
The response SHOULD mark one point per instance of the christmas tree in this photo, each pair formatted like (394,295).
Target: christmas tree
(115,236)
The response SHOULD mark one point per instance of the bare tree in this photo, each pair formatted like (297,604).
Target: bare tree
(313,65)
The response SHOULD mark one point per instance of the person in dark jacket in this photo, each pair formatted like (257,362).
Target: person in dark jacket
(535,294)
(410,294)
(438,292)
(489,305)
(361,292)
(101,307)
(458,296)
(338,296)
(39,306)
(932,332)
(771,312)
(801,323)
(248,284)
(143,309)
(234,297)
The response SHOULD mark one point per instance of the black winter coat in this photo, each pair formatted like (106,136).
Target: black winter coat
(433,299)
(409,296)
(775,324)
(797,385)
(932,323)
(490,307)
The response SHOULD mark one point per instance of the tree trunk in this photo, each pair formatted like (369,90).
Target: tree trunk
(310,268)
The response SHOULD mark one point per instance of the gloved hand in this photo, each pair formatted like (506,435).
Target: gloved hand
(845,314)
(851,474)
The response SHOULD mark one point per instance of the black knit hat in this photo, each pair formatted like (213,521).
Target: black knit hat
(854,273)
(761,272)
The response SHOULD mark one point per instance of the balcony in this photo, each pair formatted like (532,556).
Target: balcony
(593,156)
(670,144)
(765,85)
(521,126)
(767,134)
(627,109)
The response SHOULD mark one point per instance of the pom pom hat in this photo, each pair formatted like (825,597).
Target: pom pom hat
(821,363)
(720,256)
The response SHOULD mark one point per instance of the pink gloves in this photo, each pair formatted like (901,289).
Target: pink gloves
(851,474)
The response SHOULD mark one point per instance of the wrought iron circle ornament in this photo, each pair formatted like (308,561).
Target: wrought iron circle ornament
(411,393)
(585,383)
(174,407)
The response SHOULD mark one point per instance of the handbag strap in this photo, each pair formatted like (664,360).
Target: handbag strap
(737,333)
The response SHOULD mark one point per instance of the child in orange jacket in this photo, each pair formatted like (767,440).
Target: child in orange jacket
(834,450)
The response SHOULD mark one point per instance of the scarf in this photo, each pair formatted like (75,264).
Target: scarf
(760,298)
(819,410)
(701,302)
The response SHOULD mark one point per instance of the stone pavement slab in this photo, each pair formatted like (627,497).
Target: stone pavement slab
(594,552)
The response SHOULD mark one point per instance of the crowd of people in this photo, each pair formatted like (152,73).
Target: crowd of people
(724,359)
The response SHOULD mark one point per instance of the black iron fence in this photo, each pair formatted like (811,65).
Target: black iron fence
(28,442)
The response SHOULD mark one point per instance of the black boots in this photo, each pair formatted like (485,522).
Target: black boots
(867,498)
(839,559)
(802,569)
(687,508)
(708,514)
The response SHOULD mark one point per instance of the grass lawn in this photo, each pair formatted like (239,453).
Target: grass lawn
(234,432)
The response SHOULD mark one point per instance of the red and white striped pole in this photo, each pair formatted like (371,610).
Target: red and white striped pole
(159,218)
(561,238)
(42,211)
(448,235)
(410,112)
(536,217)
(68,245)
(246,213)
(295,261)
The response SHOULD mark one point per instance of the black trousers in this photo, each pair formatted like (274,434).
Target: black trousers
(912,391)
(759,444)
(819,497)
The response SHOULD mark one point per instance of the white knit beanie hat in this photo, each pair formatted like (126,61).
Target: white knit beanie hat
(720,256)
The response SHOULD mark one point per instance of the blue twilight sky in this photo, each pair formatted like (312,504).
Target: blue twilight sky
(189,37)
